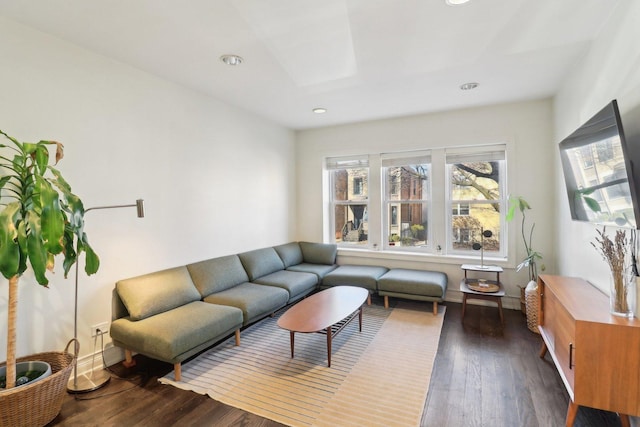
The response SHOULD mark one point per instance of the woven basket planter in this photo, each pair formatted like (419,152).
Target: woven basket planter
(532,303)
(38,403)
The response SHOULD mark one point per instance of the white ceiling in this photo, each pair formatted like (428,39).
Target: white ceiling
(360,59)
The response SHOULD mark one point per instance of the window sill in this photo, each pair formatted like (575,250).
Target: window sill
(422,257)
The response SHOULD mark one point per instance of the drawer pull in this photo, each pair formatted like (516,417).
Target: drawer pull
(571,355)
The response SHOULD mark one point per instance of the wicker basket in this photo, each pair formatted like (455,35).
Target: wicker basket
(531,301)
(37,404)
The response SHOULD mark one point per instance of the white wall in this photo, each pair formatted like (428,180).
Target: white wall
(611,70)
(525,127)
(216,180)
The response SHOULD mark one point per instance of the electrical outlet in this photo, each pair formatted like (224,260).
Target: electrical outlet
(102,327)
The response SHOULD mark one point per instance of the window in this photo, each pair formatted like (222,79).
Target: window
(358,185)
(604,149)
(419,201)
(587,157)
(394,186)
(460,209)
(407,180)
(477,197)
(349,179)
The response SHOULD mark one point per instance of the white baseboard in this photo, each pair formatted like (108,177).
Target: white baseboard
(112,355)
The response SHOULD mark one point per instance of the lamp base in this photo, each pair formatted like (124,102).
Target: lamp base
(88,382)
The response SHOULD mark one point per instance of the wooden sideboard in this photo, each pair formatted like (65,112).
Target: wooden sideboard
(597,354)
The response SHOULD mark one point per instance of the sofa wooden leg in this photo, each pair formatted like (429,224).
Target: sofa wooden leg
(386,301)
(369,300)
(177,368)
(237,336)
(435,308)
(129,361)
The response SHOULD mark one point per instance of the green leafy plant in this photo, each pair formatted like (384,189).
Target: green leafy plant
(520,204)
(40,218)
(583,194)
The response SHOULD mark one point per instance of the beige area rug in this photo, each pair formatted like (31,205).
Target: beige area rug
(379,377)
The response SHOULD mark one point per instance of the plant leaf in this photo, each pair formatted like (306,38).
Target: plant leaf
(22,242)
(52,220)
(4,180)
(9,248)
(70,255)
(592,204)
(92,262)
(42,158)
(36,249)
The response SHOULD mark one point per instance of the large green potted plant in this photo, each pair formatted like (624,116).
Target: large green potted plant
(40,218)
(530,261)
(518,203)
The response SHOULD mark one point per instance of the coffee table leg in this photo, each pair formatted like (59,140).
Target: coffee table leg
(291,334)
(329,346)
(360,318)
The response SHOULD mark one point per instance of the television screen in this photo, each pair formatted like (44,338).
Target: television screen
(596,170)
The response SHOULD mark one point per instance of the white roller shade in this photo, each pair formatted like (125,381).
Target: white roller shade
(406,158)
(347,162)
(487,153)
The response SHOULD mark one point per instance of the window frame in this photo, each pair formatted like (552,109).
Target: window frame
(388,202)
(332,165)
(479,154)
(439,212)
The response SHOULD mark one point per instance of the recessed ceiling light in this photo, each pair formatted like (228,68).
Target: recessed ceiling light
(455,2)
(469,86)
(232,60)
(319,110)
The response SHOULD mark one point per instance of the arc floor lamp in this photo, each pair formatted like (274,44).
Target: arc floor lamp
(93,380)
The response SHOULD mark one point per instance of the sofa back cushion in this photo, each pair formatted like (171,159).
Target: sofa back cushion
(261,262)
(319,253)
(290,254)
(155,293)
(217,274)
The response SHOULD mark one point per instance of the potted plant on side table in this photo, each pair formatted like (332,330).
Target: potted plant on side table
(530,261)
(40,218)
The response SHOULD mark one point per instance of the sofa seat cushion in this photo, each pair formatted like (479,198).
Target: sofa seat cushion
(255,301)
(169,336)
(297,284)
(319,270)
(364,276)
(400,281)
(154,293)
(217,274)
(261,262)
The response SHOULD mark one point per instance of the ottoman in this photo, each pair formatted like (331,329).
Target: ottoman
(413,284)
(363,276)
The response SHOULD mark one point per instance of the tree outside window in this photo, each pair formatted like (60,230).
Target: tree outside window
(478,187)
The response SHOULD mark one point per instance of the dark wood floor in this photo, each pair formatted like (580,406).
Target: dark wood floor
(484,375)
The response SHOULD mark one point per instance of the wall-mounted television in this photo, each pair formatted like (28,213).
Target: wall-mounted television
(597,162)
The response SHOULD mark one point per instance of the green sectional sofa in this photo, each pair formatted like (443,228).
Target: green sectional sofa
(174,314)
(413,284)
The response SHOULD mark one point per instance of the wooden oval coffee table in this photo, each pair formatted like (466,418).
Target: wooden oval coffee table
(326,312)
